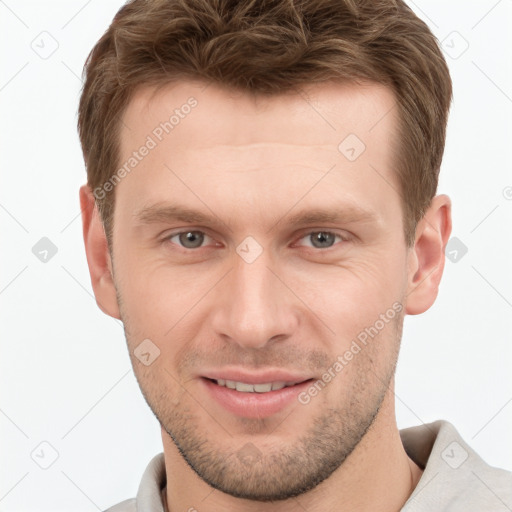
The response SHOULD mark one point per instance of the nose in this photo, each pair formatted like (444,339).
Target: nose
(253,307)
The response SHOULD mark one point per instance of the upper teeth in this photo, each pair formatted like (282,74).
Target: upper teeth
(251,388)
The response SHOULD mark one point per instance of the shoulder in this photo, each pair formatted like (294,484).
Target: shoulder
(455,477)
(149,498)
(125,506)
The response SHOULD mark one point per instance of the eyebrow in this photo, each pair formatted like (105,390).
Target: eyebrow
(161,212)
(166,213)
(344,214)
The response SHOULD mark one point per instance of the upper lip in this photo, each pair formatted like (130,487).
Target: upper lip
(261,377)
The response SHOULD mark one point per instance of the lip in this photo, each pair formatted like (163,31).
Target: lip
(254,405)
(262,377)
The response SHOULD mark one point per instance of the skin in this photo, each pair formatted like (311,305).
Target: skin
(251,164)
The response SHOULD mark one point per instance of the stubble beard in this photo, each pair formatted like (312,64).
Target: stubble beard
(287,468)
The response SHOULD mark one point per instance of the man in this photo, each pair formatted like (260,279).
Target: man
(260,212)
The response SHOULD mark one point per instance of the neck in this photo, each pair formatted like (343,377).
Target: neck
(377,476)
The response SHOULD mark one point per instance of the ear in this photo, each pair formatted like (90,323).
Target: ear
(426,258)
(98,255)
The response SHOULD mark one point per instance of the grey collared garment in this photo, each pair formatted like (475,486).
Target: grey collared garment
(454,479)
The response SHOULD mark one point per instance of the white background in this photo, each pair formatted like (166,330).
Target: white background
(65,373)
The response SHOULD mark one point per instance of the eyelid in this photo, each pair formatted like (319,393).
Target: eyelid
(343,236)
(167,237)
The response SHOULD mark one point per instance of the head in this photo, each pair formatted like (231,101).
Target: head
(261,197)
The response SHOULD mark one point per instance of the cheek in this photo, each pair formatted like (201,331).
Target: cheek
(348,296)
(150,282)
(353,293)
(159,301)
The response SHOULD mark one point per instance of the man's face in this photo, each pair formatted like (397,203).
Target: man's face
(257,288)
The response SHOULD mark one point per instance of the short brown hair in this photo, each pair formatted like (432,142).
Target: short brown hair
(268,47)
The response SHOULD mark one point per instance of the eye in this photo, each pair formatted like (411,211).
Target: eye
(189,239)
(321,239)
(195,239)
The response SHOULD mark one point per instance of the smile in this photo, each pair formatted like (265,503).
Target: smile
(254,388)
(253,400)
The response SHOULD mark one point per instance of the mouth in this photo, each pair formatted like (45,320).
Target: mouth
(245,387)
(261,400)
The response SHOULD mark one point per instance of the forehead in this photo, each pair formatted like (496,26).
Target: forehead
(330,111)
(210,140)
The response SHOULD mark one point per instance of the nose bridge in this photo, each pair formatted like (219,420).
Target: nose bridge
(256,307)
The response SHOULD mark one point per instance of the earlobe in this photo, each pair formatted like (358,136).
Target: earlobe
(98,255)
(426,259)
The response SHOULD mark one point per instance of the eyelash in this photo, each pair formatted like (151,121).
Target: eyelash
(341,238)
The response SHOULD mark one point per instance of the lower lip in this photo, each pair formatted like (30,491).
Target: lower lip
(254,405)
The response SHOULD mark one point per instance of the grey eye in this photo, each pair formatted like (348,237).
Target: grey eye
(191,239)
(322,239)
